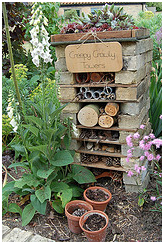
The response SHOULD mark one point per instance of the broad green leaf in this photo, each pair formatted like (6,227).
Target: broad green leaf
(43,193)
(38,206)
(32,128)
(82,175)
(24,165)
(76,190)
(42,173)
(14,208)
(8,189)
(62,158)
(27,179)
(27,214)
(58,186)
(65,196)
(35,78)
(37,121)
(57,205)
(18,148)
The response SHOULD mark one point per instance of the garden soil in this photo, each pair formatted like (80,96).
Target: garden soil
(127,221)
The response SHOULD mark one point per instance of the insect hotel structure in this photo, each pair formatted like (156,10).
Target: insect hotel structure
(106,82)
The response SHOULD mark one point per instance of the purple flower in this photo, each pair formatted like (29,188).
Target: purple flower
(152,136)
(142,158)
(136,135)
(130,173)
(142,127)
(127,160)
(153,198)
(129,140)
(160,116)
(159,36)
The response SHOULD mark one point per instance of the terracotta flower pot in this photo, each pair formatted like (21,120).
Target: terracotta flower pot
(98,205)
(94,236)
(73,221)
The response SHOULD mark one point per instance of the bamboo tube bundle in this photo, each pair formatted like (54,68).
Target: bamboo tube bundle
(112,109)
(88,94)
(82,77)
(88,115)
(97,94)
(109,77)
(111,96)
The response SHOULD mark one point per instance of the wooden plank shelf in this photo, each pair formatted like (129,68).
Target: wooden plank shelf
(101,165)
(75,100)
(116,128)
(116,142)
(136,33)
(98,84)
(100,153)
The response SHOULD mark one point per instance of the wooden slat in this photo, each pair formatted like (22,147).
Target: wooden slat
(101,35)
(100,153)
(101,165)
(99,141)
(102,84)
(116,128)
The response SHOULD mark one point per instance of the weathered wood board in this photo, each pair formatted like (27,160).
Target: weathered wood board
(102,35)
(94,57)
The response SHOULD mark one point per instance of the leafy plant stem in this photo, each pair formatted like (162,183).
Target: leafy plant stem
(11,54)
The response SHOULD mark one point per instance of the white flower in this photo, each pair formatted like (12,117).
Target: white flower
(10,113)
(34,41)
(13,123)
(45,21)
(35,60)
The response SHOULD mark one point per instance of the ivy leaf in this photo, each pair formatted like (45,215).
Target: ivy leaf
(27,214)
(43,193)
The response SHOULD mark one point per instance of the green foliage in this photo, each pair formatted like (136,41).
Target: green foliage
(158,5)
(155,94)
(6,129)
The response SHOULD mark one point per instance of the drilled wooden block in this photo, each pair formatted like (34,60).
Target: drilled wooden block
(132,93)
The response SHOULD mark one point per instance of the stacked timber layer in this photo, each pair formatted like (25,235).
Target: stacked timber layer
(100,142)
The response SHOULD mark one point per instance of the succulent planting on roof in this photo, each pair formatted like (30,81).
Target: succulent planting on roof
(108,19)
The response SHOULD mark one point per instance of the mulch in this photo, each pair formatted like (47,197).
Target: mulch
(127,221)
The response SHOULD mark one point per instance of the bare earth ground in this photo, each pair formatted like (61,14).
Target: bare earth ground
(128,222)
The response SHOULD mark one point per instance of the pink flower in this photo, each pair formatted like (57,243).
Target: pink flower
(143,168)
(146,137)
(130,173)
(153,198)
(147,146)
(142,158)
(152,136)
(157,142)
(127,160)
(137,168)
(150,157)
(136,135)
(142,127)
(129,155)
(146,153)
(160,116)
(129,140)
(129,151)
(160,175)
(141,144)
(158,157)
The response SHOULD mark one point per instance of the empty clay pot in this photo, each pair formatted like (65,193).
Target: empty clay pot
(98,205)
(73,221)
(94,236)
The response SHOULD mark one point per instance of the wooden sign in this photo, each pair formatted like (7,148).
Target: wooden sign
(94,57)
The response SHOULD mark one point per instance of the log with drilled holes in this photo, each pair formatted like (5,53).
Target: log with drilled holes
(106,121)
(88,115)
(112,109)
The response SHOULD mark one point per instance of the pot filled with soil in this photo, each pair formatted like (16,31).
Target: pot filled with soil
(94,224)
(74,210)
(98,197)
